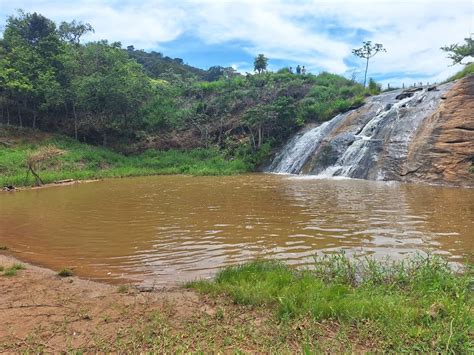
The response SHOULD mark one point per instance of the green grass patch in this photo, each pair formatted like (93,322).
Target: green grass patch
(416,305)
(122,289)
(467,70)
(65,273)
(12,270)
(81,162)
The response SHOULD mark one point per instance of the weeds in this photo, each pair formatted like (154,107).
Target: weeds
(65,273)
(12,270)
(122,289)
(466,71)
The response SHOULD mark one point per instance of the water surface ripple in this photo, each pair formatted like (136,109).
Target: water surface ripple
(167,229)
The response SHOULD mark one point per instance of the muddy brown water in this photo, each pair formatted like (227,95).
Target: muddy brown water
(167,229)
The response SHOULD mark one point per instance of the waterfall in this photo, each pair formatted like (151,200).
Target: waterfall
(296,152)
(370,143)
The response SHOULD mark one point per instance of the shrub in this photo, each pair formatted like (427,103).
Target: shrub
(65,273)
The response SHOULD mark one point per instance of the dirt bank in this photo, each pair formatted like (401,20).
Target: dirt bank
(40,311)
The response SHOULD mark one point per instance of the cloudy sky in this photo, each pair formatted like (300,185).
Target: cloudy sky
(317,34)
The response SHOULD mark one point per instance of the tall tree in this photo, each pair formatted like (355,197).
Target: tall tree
(367,51)
(73,31)
(111,87)
(457,52)
(32,48)
(260,63)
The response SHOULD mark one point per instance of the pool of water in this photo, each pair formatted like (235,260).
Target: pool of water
(167,229)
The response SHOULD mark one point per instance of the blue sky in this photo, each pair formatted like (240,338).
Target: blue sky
(317,34)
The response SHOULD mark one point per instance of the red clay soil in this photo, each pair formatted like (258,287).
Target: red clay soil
(42,312)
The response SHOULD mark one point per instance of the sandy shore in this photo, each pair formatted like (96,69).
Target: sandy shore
(40,310)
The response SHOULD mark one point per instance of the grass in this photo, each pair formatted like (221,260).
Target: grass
(419,305)
(467,70)
(122,289)
(65,273)
(12,270)
(81,161)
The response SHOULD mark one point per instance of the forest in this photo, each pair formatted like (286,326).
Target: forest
(131,101)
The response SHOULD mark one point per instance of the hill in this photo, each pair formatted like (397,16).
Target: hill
(158,66)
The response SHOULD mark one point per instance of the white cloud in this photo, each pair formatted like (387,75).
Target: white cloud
(318,34)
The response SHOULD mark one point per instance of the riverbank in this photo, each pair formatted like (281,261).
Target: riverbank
(41,311)
(254,308)
(78,161)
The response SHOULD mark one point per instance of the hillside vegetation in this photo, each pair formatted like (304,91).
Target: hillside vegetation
(467,70)
(81,161)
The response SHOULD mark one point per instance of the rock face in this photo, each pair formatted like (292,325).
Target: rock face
(416,135)
(442,150)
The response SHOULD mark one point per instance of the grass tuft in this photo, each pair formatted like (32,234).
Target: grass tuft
(467,70)
(65,273)
(122,289)
(12,270)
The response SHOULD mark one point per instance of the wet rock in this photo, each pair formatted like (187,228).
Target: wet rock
(145,289)
(407,93)
(422,139)
(9,188)
(433,88)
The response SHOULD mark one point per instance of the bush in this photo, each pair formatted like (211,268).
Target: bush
(65,273)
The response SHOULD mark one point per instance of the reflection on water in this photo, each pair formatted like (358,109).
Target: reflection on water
(160,230)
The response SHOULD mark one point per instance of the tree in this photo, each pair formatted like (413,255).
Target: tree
(32,48)
(367,51)
(36,158)
(73,31)
(110,87)
(458,52)
(260,63)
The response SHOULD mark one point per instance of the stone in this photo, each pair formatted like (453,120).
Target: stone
(442,150)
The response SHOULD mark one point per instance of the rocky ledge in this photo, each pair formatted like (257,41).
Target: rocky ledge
(442,151)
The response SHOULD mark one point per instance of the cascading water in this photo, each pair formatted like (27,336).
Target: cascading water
(300,147)
(369,143)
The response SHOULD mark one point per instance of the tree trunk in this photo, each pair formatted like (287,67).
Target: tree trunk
(20,119)
(104,141)
(8,115)
(34,120)
(221,131)
(38,181)
(252,140)
(366,67)
(260,136)
(75,120)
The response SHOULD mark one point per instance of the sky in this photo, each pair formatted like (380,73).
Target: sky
(317,34)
